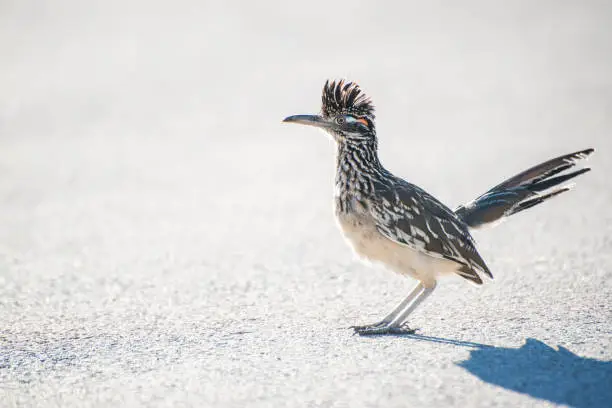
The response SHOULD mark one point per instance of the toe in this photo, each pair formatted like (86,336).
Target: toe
(402,330)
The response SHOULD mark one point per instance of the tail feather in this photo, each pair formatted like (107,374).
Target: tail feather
(523,205)
(544,170)
(522,191)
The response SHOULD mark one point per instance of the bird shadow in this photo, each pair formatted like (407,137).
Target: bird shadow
(538,370)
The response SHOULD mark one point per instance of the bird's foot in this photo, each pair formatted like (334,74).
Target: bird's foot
(382,328)
(369,326)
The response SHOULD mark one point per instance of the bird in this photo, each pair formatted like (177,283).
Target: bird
(390,221)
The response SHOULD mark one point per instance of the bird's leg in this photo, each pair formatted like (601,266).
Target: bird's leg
(396,325)
(395,312)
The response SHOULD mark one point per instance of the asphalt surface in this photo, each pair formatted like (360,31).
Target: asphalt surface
(166,241)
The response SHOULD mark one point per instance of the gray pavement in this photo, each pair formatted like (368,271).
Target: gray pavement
(166,241)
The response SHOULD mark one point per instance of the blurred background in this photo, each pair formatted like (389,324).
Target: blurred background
(147,183)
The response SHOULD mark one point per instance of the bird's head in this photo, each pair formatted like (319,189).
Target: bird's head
(347,114)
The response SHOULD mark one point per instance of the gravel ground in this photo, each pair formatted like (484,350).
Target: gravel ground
(166,241)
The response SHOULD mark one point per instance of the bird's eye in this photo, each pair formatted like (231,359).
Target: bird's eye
(340,120)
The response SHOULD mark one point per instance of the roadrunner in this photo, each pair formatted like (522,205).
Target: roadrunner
(391,221)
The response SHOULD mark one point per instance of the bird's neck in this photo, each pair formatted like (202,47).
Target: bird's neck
(357,168)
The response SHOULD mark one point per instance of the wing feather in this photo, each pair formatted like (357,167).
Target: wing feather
(410,216)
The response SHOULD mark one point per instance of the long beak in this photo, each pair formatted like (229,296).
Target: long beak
(309,120)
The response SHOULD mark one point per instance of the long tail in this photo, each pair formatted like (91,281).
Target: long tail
(523,191)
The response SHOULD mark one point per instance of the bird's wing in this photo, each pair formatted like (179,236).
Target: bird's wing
(410,216)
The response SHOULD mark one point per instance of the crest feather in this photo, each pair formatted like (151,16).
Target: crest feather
(340,97)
